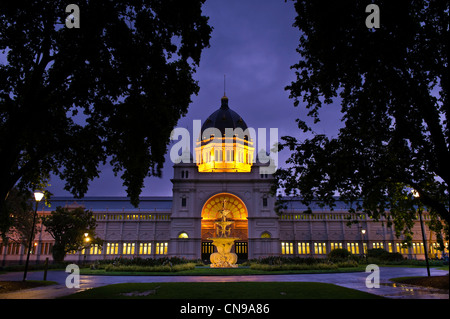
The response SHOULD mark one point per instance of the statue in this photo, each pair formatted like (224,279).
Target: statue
(223,258)
(221,226)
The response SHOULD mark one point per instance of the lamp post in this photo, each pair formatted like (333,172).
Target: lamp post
(417,195)
(38,197)
(363,232)
(86,239)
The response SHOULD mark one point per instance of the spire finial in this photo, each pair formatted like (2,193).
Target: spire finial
(224,98)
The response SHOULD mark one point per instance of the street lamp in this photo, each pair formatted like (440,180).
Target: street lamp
(86,239)
(417,195)
(363,232)
(38,197)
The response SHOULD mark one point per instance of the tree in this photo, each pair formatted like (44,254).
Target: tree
(392,85)
(67,227)
(18,222)
(110,90)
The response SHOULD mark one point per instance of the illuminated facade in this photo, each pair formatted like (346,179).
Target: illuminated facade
(225,145)
(180,225)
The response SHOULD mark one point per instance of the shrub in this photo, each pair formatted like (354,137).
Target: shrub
(339,254)
(159,268)
(279,260)
(138,261)
(317,266)
(383,255)
(347,264)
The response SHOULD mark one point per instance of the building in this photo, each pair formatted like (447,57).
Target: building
(180,225)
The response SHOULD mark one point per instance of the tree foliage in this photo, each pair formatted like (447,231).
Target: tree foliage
(17,224)
(392,85)
(111,90)
(67,227)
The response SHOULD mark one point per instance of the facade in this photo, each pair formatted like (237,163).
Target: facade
(181,225)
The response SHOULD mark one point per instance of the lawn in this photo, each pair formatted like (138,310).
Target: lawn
(9,286)
(438,282)
(226,290)
(207,271)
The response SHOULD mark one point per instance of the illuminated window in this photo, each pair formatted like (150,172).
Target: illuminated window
(183,235)
(95,250)
(112,248)
(128,249)
(353,248)
(434,248)
(287,248)
(336,246)
(320,248)
(390,247)
(401,249)
(241,247)
(303,248)
(265,235)
(377,245)
(145,248)
(418,248)
(161,248)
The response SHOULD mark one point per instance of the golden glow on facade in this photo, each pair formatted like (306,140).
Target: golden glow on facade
(224,154)
(233,204)
(225,144)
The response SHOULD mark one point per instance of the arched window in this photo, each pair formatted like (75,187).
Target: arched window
(266,235)
(183,235)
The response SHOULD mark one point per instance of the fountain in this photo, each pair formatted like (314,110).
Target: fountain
(223,258)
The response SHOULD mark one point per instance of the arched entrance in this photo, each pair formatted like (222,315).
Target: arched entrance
(238,214)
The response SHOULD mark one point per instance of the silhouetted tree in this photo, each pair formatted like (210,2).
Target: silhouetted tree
(112,89)
(17,224)
(67,227)
(392,85)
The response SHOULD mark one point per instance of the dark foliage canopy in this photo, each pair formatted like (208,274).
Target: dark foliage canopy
(392,85)
(110,90)
(68,227)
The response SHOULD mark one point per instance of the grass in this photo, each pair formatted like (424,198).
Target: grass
(207,271)
(228,290)
(10,286)
(438,282)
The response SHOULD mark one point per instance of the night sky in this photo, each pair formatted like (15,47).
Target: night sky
(254,44)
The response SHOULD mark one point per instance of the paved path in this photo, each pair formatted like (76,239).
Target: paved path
(356,280)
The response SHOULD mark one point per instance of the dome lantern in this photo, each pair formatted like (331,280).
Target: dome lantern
(225,144)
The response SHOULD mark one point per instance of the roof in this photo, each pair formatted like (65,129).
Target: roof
(222,119)
(158,203)
(103,203)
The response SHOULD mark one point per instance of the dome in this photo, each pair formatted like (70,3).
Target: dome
(224,144)
(222,119)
